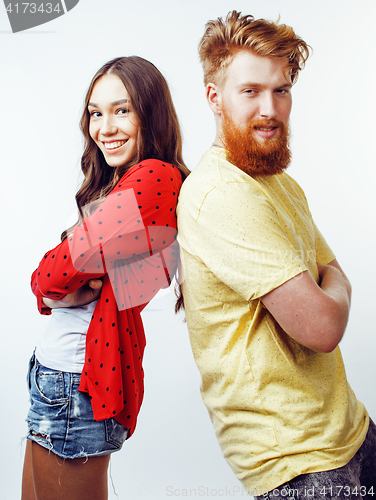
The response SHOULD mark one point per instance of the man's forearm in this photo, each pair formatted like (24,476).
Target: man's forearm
(315,315)
(337,287)
(335,264)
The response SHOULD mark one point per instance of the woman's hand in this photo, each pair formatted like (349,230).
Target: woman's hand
(80,297)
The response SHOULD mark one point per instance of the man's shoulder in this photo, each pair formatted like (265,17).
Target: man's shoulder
(212,171)
(215,182)
(205,169)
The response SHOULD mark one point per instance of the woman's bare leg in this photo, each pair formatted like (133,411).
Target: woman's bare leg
(53,478)
(27,476)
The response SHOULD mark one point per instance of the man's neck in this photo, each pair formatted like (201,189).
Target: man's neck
(218,141)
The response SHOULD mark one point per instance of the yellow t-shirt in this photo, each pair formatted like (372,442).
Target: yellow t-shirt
(278,408)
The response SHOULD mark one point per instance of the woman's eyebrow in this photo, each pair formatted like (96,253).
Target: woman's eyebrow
(121,101)
(115,103)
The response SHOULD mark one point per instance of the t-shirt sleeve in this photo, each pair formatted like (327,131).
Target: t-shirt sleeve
(240,238)
(136,219)
(324,254)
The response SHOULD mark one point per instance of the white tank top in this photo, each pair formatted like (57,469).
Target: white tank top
(62,346)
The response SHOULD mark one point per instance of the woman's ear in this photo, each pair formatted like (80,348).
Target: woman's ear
(214,97)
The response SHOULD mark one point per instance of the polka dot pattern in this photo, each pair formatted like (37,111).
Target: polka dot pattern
(131,245)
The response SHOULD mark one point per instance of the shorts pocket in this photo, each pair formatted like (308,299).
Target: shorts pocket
(49,385)
(116,433)
(29,371)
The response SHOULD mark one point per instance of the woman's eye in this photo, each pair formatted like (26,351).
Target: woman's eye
(123,111)
(95,114)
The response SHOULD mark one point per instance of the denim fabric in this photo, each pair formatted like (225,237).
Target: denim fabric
(357,479)
(61,419)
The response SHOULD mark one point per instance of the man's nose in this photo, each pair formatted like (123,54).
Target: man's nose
(268,108)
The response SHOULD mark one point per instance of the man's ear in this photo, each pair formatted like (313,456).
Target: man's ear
(214,97)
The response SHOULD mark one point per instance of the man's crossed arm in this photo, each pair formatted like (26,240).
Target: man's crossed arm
(315,315)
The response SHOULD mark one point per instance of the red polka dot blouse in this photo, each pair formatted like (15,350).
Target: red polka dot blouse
(129,242)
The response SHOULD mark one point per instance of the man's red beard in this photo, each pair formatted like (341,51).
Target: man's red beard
(253,156)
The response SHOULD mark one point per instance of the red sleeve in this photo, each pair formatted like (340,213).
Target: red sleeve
(136,219)
(42,308)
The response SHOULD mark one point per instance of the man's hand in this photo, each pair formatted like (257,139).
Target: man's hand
(80,297)
(324,276)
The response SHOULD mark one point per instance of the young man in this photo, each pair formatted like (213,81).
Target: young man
(266,301)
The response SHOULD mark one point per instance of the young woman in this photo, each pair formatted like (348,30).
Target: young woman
(86,377)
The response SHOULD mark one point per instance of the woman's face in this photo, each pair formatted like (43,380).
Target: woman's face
(113,123)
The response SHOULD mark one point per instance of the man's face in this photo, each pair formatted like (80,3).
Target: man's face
(254,108)
(257,88)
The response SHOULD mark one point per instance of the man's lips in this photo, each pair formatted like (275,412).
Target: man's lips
(266,132)
(265,128)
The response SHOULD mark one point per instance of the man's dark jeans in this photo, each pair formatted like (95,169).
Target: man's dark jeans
(357,479)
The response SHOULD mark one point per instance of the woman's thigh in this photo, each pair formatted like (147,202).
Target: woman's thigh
(49,477)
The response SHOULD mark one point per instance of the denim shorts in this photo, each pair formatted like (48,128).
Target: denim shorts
(61,419)
(356,480)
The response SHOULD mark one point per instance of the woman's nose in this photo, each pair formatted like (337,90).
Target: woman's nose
(108,126)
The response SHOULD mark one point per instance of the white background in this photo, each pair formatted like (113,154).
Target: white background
(44,75)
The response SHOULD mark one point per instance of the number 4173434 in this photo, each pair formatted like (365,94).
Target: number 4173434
(346,491)
(32,8)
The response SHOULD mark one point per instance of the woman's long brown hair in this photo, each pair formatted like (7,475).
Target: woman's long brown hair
(159,135)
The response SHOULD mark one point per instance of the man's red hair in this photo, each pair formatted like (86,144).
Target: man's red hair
(223,39)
